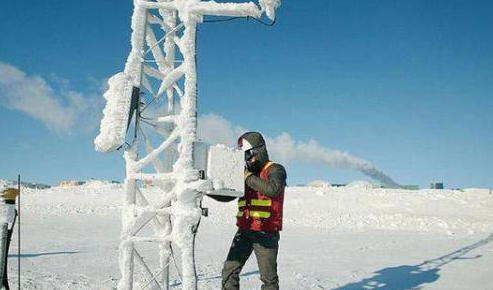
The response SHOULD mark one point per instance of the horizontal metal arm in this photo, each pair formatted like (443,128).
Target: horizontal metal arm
(152,176)
(156,5)
(226,9)
(150,239)
(167,119)
(146,217)
(209,8)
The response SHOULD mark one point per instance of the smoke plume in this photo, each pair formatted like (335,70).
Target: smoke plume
(283,148)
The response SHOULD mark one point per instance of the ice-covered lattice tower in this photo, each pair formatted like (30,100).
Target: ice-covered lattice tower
(163,148)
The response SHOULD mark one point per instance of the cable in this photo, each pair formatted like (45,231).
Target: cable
(264,23)
(194,232)
(164,37)
(142,133)
(247,18)
(222,20)
(143,120)
(147,105)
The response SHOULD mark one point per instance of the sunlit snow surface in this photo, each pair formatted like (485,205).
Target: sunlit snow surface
(339,238)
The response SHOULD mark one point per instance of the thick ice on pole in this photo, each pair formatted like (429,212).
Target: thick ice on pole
(113,128)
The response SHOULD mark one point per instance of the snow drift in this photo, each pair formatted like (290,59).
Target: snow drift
(334,238)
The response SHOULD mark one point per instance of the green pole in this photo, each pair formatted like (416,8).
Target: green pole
(19,233)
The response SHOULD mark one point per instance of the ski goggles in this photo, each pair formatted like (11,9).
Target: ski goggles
(249,154)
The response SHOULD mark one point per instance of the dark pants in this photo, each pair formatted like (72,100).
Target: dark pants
(265,245)
(5,282)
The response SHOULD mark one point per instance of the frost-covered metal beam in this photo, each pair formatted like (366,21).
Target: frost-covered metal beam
(156,51)
(153,176)
(201,8)
(153,72)
(167,119)
(139,165)
(155,5)
(151,239)
(150,276)
(134,64)
(172,77)
(138,222)
(225,9)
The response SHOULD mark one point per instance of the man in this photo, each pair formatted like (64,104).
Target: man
(259,217)
(9,195)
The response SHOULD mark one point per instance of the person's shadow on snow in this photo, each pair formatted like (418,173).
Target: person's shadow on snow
(409,277)
(395,278)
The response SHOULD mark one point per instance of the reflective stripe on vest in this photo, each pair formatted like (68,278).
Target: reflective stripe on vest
(255,214)
(269,163)
(261,202)
(259,214)
(256,202)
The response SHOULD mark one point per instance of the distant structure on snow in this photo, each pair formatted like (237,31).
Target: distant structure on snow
(436,185)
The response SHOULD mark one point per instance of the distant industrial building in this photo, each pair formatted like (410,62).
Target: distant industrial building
(148,183)
(436,185)
(409,186)
(402,186)
(31,185)
(71,183)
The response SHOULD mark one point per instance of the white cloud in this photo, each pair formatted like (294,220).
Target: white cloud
(63,109)
(58,110)
(215,129)
(284,149)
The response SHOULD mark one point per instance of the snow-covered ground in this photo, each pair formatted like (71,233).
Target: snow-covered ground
(339,238)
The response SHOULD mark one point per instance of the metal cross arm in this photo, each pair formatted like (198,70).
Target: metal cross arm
(214,8)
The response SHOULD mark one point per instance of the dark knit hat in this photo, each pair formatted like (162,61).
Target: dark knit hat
(253,140)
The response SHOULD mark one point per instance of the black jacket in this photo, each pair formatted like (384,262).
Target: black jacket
(271,187)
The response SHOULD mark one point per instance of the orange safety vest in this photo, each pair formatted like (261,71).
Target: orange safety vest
(258,212)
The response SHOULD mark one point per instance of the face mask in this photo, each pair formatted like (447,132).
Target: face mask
(253,158)
(253,165)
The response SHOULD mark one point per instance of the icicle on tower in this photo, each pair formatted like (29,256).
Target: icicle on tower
(160,149)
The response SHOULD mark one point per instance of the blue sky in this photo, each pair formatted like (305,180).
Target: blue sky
(406,85)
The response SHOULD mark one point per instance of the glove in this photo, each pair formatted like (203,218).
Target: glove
(247,173)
